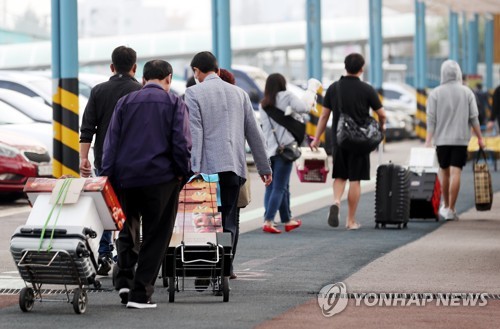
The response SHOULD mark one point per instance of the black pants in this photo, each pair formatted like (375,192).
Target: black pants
(230,184)
(156,207)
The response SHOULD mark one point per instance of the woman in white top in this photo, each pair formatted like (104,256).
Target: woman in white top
(277,195)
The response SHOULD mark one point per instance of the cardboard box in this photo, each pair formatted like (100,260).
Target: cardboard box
(99,188)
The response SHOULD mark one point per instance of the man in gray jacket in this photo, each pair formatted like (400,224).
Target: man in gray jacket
(221,117)
(451,111)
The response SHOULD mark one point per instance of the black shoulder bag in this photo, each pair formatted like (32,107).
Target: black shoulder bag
(357,138)
(289,152)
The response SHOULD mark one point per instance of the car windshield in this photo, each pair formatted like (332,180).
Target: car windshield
(44,85)
(9,115)
(84,89)
(33,109)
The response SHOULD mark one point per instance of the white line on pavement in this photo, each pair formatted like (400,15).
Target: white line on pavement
(302,199)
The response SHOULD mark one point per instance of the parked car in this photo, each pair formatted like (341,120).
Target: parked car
(35,110)
(15,121)
(20,158)
(400,96)
(33,84)
(399,125)
(252,80)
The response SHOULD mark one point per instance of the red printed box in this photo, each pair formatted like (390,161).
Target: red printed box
(99,188)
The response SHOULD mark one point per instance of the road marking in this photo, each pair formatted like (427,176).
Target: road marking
(302,199)
(15,211)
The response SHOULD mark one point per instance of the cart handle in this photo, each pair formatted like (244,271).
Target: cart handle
(200,260)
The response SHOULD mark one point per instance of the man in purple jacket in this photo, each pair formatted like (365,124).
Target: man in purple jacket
(147,154)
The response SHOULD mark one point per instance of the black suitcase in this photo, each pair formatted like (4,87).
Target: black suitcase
(425,195)
(392,196)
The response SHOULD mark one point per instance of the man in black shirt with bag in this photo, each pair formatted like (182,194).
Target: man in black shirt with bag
(348,165)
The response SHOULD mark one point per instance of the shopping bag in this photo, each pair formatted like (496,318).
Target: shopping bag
(483,191)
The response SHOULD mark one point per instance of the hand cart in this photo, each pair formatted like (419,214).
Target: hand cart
(198,250)
(70,261)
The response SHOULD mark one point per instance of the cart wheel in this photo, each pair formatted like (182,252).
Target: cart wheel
(383,225)
(26,299)
(171,289)
(399,226)
(79,301)
(225,289)
(377,226)
(114,273)
(164,276)
(97,284)
(405,225)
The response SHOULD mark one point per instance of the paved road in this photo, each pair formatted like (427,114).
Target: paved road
(276,274)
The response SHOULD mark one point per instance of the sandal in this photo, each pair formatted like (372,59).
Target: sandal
(356,226)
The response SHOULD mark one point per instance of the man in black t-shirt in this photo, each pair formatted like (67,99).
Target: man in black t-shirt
(96,118)
(357,99)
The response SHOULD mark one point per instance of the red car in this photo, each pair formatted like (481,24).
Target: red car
(20,158)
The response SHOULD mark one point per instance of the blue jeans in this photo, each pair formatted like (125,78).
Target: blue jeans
(277,196)
(106,243)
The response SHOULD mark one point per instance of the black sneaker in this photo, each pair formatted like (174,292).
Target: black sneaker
(123,293)
(105,264)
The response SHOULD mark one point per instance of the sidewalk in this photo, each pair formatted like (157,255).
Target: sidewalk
(462,256)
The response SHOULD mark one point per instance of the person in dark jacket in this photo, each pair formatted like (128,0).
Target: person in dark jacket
(147,154)
(96,117)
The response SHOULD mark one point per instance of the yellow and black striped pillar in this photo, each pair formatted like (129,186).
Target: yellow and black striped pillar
(489,106)
(421,116)
(66,123)
(312,124)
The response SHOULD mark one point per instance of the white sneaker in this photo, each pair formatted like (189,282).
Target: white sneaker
(443,212)
(452,215)
(140,305)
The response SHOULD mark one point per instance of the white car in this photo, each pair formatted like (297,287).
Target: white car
(15,121)
(37,85)
(35,110)
(400,96)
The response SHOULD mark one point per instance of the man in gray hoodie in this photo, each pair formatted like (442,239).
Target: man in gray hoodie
(451,112)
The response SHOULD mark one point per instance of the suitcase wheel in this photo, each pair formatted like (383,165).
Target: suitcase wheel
(26,299)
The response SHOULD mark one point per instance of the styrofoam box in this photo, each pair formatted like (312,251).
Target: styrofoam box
(81,214)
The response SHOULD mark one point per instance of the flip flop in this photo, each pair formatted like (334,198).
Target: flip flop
(333,216)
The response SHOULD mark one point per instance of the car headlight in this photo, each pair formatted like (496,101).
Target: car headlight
(7,151)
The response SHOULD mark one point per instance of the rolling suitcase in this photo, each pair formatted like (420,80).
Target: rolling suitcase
(392,196)
(64,256)
(425,195)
